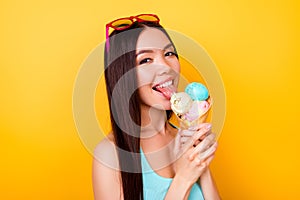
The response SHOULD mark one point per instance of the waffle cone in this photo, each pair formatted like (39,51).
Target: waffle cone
(185,124)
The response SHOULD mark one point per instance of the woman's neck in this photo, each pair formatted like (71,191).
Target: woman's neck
(153,122)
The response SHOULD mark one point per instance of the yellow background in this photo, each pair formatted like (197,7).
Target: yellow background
(255,45)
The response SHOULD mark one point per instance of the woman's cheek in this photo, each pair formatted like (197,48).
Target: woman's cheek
(144,75)
(176,65)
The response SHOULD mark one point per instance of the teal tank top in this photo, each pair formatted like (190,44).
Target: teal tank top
(155,187)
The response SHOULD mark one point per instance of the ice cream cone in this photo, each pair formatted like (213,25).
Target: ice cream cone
(192,106)
(185,122)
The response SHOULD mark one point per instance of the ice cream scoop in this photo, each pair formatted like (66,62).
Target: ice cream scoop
(197,109)
(181,102)
(197,91)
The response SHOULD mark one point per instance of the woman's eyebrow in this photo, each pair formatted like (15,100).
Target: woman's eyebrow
(168,45)
(151,51)
(144,51)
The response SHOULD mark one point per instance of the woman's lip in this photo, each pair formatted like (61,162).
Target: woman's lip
(169,79)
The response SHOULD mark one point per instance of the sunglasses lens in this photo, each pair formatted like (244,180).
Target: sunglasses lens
(121,24)
(150,18)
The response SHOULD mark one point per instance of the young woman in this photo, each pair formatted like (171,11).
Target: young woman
(146,157)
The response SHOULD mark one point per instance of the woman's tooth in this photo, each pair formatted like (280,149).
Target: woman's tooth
(165,84)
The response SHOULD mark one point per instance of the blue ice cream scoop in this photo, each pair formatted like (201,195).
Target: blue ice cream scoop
(197,91)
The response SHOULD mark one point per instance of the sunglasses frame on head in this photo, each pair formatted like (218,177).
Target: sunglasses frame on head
(139,18)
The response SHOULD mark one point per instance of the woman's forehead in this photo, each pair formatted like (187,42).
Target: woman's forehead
(152,38)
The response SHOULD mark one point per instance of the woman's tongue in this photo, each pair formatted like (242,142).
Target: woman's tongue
(167,91)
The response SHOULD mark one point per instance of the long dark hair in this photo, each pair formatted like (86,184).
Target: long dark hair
(120,58)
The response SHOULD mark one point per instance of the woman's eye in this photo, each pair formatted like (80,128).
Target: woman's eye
(170,53)
(146,60)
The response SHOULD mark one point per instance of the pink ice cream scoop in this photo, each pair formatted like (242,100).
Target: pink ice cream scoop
(197,109)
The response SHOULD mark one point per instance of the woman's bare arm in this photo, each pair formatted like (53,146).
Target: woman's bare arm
(208,186)
(106,176)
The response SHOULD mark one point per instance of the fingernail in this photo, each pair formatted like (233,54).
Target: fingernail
(208,126)
(191,128)
(216,143)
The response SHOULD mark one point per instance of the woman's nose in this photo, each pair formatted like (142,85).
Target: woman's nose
(164,67)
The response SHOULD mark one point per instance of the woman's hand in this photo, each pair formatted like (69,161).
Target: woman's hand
(195,148)
(187,134)
(184,135)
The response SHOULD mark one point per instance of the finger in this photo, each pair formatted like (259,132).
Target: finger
(202,146)
(210,151)
(184,139)
(199,135)
(204,165)
(209,159)
(196,137)
(202,138)
(190,133)
(199,126)
(206,134)
(207,142)
(187,133)
(197,142)
(197,161)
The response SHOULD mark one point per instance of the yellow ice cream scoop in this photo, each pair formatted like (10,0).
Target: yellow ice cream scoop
(181,102)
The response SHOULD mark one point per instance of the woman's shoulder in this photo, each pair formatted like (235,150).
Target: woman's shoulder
(106,153)
(106,173)
(106,144)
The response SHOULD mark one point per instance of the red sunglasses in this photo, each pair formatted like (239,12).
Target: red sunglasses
(126,22)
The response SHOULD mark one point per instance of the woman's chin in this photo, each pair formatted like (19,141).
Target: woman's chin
(162,107)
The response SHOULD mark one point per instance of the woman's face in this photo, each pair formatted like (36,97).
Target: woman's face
(157,69)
